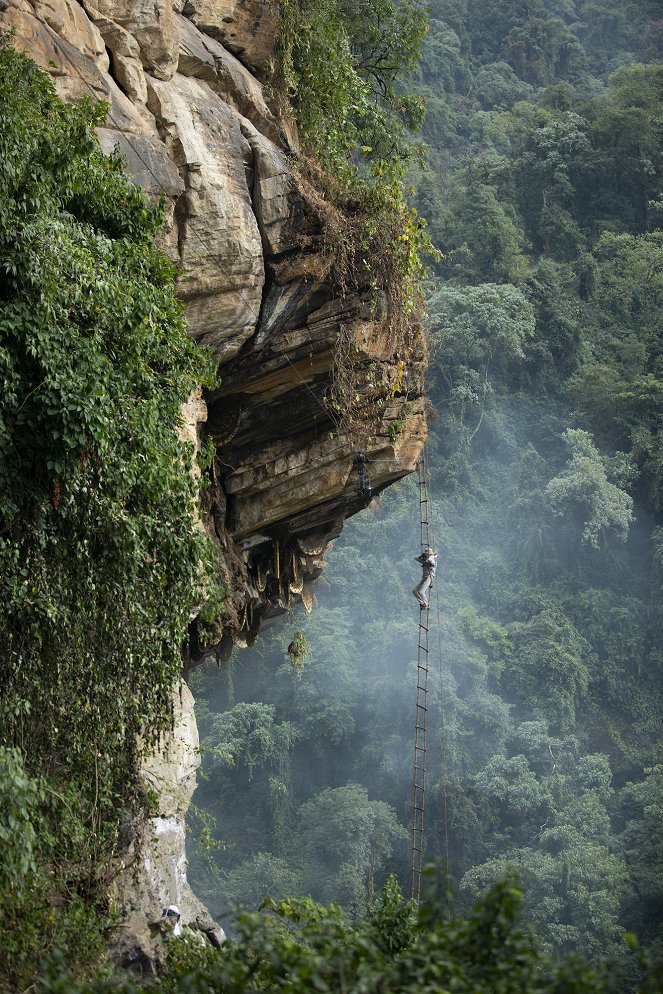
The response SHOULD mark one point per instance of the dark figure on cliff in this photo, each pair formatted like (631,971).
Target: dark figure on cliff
(428,560)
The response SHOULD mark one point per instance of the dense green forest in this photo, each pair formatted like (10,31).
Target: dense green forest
(297,946)
(543,191)
(543,143)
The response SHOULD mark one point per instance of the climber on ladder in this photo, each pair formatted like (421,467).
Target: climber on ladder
(428,560)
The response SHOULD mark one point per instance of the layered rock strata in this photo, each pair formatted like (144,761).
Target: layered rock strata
(189,111)
(310,374)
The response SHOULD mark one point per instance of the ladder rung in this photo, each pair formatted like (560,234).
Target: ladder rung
(423,647)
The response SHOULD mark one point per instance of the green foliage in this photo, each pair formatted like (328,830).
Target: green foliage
(249,735)
(209,624)
(617,387)
(99,557)
(477,338)
(298,649)
(341,65)
(342,62)
(640,844)
(262,873)
(625,175)
(20,796)
(583,484)
(346,841)
(481,238)
(554,830)
(297,946)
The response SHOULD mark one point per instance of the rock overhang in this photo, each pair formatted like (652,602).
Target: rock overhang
(190,112)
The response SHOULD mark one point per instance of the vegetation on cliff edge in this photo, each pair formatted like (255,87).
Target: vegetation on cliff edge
(341,68)
(100,559)
(298,946)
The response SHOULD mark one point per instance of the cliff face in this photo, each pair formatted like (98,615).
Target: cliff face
(191,115)
(310,374)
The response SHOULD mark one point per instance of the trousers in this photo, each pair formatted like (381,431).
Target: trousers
(421,589)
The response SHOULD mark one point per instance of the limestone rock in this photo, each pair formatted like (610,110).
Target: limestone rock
(248,28)
(210,929)
(75,75)
(147,161)
(273,195)
(67,19)
(152,25)
(220,245)
(158,850)
(116,38)
(171,772)
(127,67)
(206,59)
(130,75)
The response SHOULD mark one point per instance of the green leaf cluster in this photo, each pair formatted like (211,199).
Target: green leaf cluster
(297,946)
(341,63)
(100,559)
(341,68)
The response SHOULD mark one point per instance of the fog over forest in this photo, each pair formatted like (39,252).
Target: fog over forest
(518,147)
(542,190)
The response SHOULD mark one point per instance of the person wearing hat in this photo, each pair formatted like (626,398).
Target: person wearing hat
(173,918)
(428,560)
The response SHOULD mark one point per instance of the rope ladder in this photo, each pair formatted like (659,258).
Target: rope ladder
(419,778)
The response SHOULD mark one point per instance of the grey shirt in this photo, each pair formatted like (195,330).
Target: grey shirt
(429,564)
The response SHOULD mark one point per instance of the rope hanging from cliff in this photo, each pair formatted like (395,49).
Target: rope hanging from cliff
(420,730)
(419,771)
(443,751)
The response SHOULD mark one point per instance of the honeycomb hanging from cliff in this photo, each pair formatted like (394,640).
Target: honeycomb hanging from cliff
(312,545)
(223,424)
(307,596)
(261,581)
(297,583)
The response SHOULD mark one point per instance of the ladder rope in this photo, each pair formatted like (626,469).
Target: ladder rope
(443,740)
(426,517)
(419,766)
